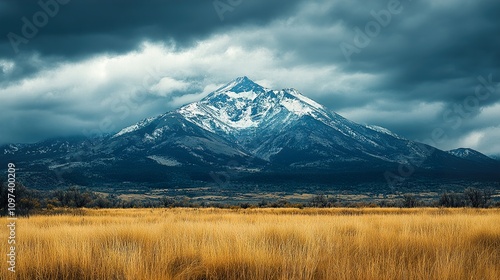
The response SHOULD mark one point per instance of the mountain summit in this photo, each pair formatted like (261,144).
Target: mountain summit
(287,127)
(242,84)
(244,126)
(242,104)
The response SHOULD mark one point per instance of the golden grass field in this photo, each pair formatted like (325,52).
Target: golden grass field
(369,243)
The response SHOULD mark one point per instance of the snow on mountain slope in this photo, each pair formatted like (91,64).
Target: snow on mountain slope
(136,126)
(383,130)
(470,154)
(462,152)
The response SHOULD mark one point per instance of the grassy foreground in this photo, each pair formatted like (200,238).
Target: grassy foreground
(258,244)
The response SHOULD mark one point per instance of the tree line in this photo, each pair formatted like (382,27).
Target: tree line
(28,200)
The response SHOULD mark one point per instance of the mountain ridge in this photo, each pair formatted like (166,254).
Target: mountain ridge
(240,126)
(471,154)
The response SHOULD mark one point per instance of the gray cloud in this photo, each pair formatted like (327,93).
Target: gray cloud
(88,27)
(76,30)
(417,67)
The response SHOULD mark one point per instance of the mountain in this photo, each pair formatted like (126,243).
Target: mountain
(288,129)
(472,155)
(242,129)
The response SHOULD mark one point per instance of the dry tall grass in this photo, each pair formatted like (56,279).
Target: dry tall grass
(259,244)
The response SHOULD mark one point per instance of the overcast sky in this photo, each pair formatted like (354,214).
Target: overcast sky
(420,68)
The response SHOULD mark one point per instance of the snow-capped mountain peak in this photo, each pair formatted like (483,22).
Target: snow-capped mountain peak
(240,85)
(243,104)
(246,113)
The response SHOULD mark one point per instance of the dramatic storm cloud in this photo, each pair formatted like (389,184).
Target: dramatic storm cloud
(427,70)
